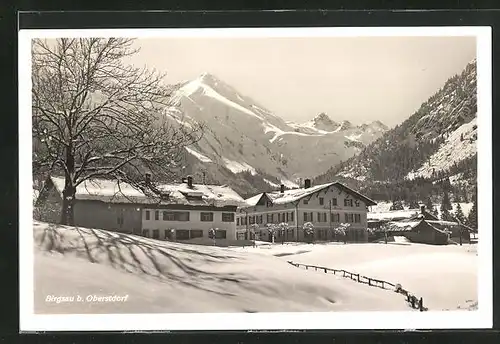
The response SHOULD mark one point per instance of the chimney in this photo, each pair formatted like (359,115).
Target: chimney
(307,183)
(147,178)
(282,188)
(190,181)
(422,209)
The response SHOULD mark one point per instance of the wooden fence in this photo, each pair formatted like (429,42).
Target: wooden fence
(412,300)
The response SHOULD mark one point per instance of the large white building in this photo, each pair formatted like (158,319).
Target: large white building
(326,206)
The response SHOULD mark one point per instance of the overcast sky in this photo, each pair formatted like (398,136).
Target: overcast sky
(359,79)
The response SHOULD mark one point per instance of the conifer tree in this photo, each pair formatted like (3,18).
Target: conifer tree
(459,214)
(429,205)
(472,218)
(445,207)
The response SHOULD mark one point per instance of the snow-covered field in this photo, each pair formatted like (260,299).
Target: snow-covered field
(445,276)
(168,277)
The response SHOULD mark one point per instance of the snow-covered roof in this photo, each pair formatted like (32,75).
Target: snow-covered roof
(293,195)
(393,215)
(121,192)
(252,201)
(401,226)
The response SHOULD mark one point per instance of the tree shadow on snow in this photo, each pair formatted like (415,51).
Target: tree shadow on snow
(127,252)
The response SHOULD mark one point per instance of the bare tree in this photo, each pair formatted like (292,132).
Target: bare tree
(94,116)
(253,228)
(272,228)
(283,229)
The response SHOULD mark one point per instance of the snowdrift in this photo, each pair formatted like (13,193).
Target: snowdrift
(445,276)
(167,277)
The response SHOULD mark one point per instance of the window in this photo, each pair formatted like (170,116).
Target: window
(321,201)
(291,216)
(220,234)
(182,234)
(321,217)
(270,218)
(308,217)
(347,202)
(196,233)
(237,221)
(334,201)
(175,216)
(279,217)
(269,204)
(357,218)
(251,220)
(259,219)
(227,217)
(181,216)
(148,215)
(356,202)
(156,234)
(145,232)
(157,215)
(287,217)
(335,217)
(168,216)
(206,217)
(346,218)
(306,201)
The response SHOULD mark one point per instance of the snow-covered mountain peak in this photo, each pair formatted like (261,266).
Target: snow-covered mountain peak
(346,125)
(324,122)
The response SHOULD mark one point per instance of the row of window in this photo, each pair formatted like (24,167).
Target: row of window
(185,216)
(182,234)
(270,218)
(334,217)
(347,202)
(289,217)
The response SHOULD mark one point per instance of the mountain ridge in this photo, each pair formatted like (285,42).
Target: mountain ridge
(435,144)
(244,136)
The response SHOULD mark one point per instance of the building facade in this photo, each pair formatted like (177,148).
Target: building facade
(325,206)
(184,211)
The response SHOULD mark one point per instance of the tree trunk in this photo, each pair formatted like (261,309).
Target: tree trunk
(68,202)
(67,214)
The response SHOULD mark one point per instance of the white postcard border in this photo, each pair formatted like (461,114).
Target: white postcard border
(482,318)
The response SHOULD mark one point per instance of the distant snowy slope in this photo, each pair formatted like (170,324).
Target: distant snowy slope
(459,145)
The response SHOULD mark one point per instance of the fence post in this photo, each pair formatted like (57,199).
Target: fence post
(358,278)
(344,273)
(413,302)
(369,281)
(325,270)
(421,304)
